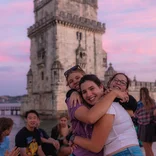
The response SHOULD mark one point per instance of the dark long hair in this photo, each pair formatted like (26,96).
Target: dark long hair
(93,78)
(112,78)
(5,124)
(145,98)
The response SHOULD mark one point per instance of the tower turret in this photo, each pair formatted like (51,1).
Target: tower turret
(29,81)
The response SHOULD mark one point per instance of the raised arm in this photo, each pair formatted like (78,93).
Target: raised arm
(100,134)
(97,111)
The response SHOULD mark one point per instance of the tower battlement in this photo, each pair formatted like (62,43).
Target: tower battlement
(70,20)
(40,3)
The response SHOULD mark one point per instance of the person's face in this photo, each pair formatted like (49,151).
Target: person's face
(119,82)
(32,120)
(74,79)
(91,92)
(7,132)
(63,122)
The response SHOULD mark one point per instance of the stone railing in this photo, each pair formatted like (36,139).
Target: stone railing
(69,20)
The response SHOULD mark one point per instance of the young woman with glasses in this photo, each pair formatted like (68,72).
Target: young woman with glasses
(114,131)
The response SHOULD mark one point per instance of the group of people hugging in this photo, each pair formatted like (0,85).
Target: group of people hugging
(102,121)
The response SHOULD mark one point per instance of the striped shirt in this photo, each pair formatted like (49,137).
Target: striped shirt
(145,116)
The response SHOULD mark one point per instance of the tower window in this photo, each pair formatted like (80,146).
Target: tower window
(55,73)
(79,36)
(104,60)
(42,75)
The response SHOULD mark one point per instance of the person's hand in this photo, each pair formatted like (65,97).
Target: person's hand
(15,152)
(56,144)
(122,95)
(72,147)
(65,141)
(75,99)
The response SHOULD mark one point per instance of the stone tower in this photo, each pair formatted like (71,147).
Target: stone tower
(65,33)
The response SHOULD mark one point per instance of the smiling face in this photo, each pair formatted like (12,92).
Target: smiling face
(32,120)
(119,82)
(91,92)
(74,79)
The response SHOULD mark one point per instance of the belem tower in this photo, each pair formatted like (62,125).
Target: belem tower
(65,33)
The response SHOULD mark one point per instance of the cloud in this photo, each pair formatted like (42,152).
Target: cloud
(14,51)
(130,36)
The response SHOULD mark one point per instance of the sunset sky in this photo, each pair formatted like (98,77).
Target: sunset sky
(130,40)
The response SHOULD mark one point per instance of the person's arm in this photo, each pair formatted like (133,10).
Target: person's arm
(97,111)
(52,141)
(23,152)
(49,141)
(70,92)
(99,136)
(40,152)
(130,106)
(130,112)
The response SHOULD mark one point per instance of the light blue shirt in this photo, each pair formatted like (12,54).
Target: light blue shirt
(4,146)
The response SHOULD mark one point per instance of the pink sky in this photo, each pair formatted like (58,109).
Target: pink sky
(129,40)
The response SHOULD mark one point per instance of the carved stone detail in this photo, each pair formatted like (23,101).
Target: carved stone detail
(81,57)
(67,19)
(92,3)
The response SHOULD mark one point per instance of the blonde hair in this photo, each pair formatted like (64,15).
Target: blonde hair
(75,71)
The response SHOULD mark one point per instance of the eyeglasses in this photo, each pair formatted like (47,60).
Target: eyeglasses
(72,69)
(122,82)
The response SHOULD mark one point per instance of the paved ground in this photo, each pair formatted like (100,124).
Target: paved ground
(153,147)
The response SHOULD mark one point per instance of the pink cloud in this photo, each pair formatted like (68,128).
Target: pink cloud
(128,43)
(4,59)
(11,51)
(10,46)
(128,14)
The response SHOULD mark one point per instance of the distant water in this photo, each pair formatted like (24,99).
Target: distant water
(19,123)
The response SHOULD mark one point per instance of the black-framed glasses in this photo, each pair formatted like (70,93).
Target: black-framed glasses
(122,82)
(66,73)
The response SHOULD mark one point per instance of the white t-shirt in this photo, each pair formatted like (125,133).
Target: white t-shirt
(123,132)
